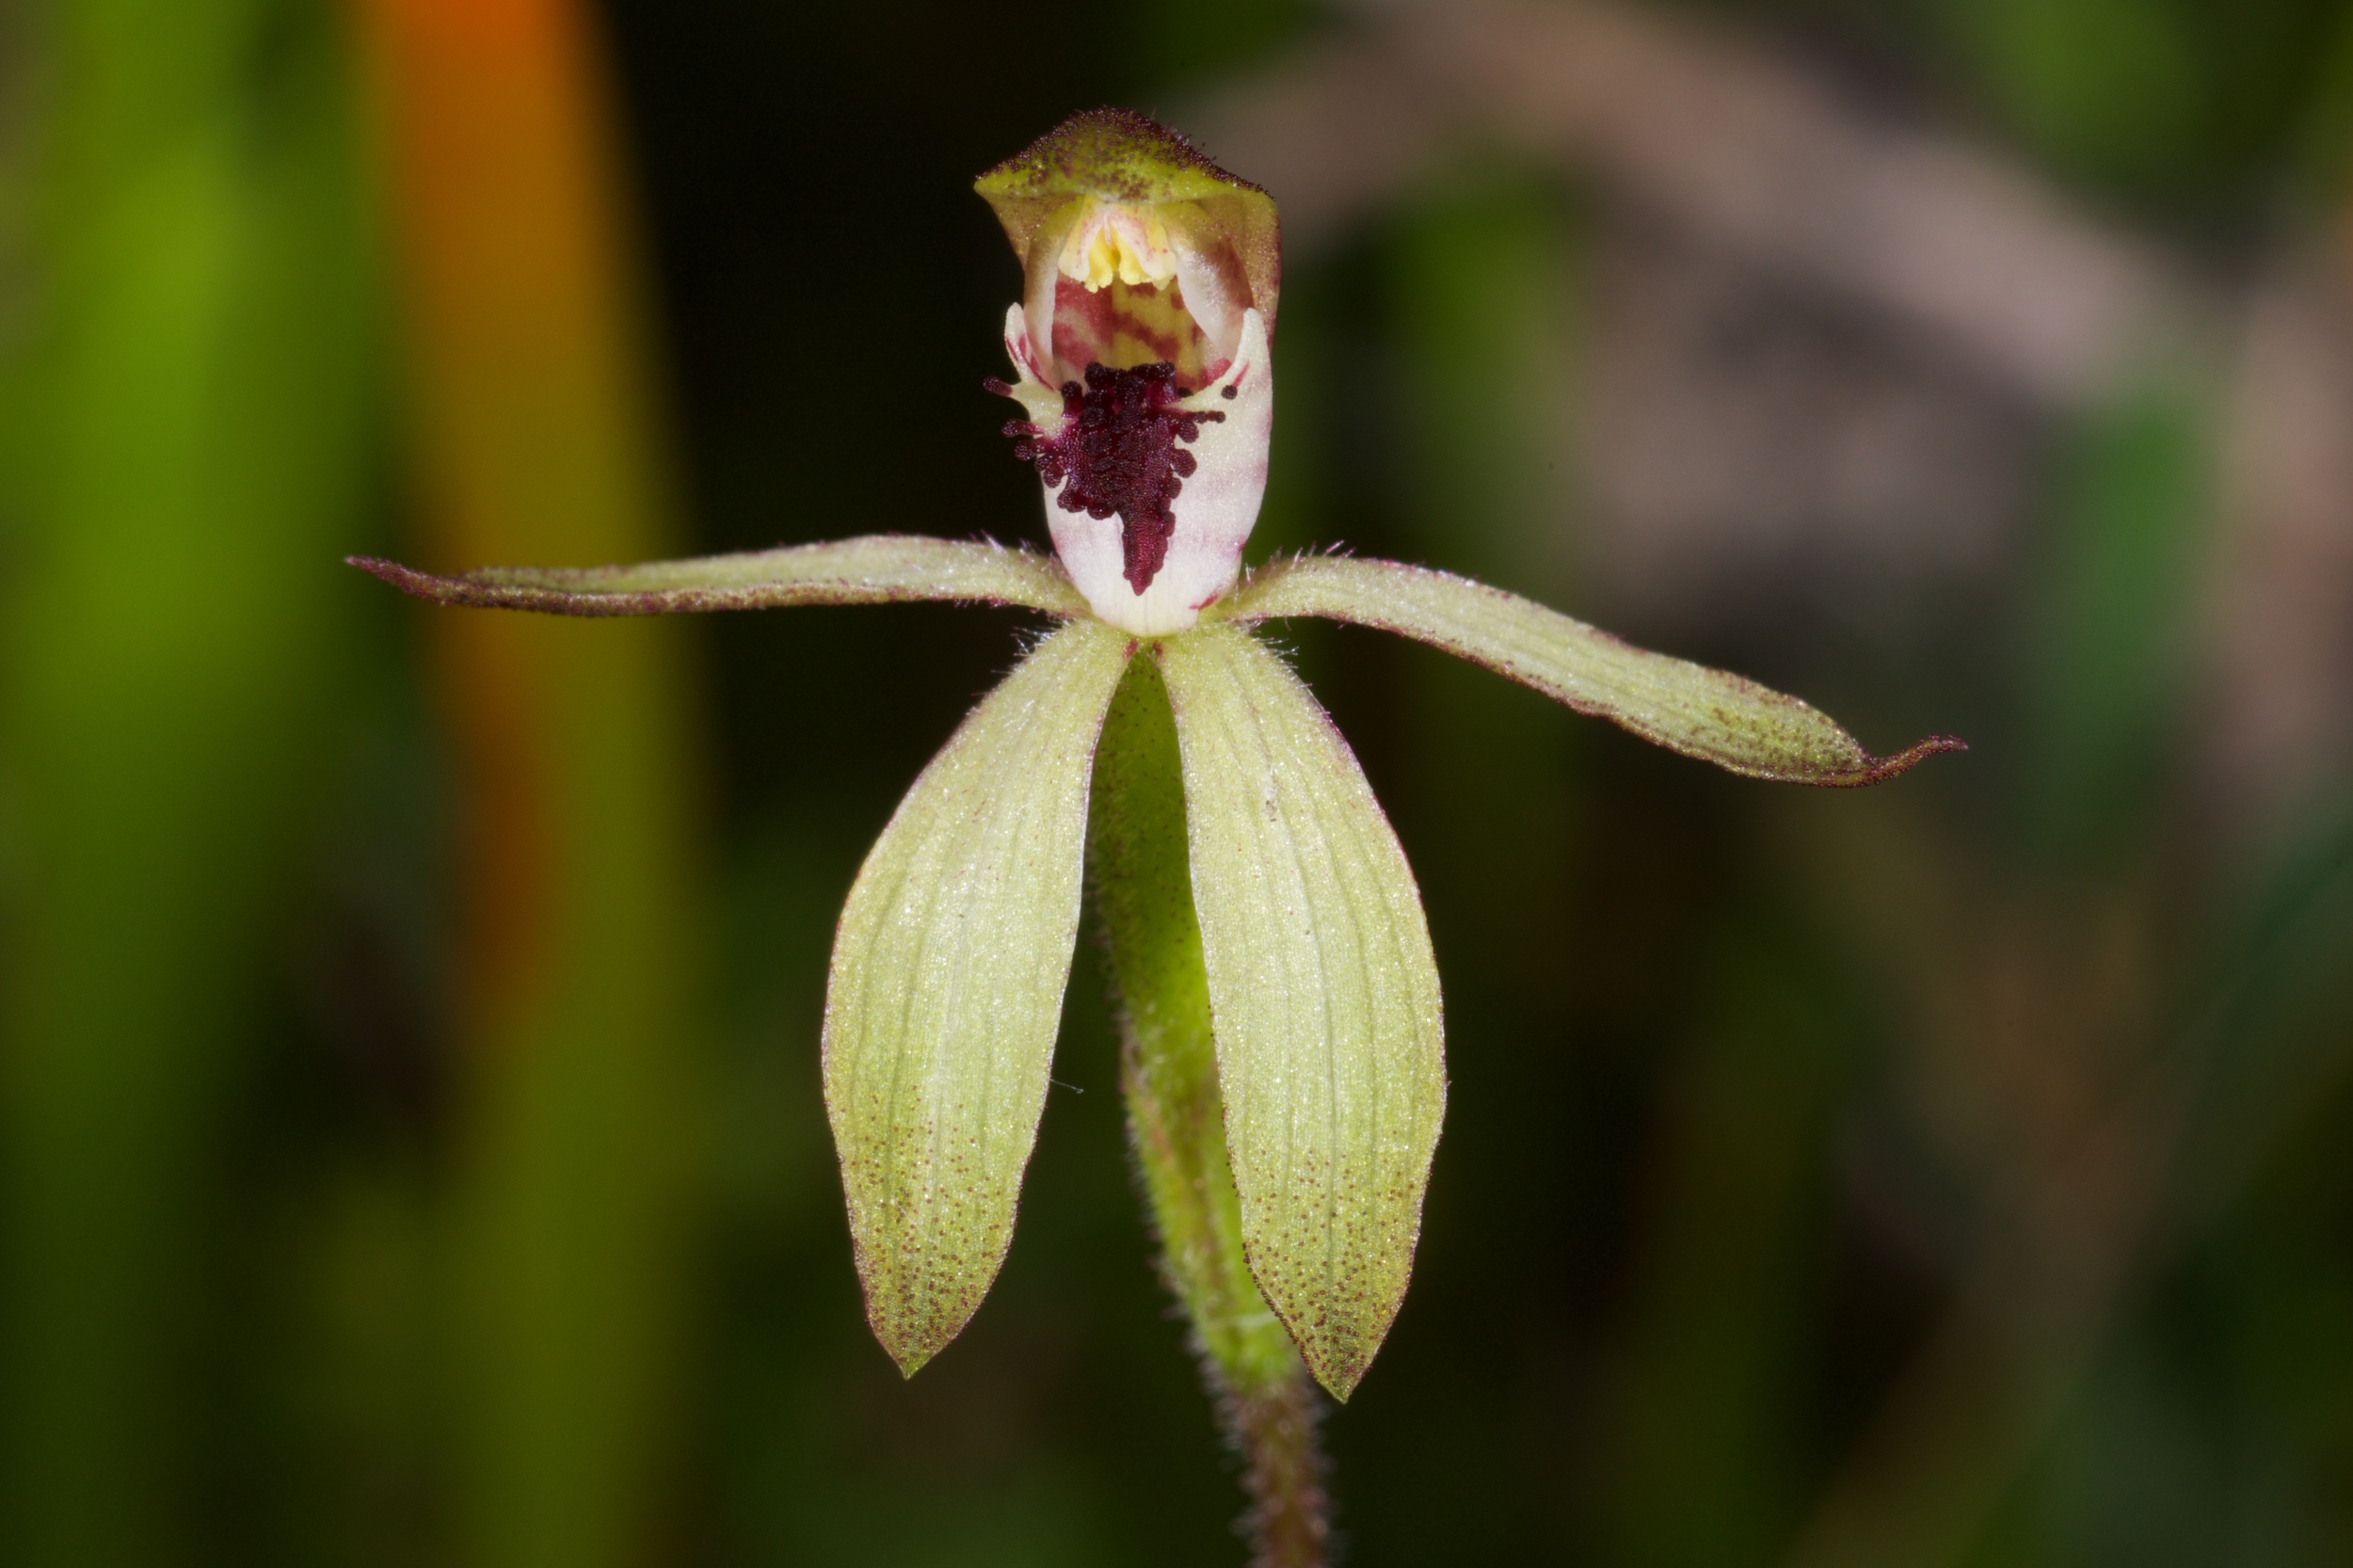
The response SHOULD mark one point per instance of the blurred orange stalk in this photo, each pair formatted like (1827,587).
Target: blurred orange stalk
(535,442)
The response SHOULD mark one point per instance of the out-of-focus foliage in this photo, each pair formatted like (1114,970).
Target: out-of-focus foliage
(1954,1173)
(191,439)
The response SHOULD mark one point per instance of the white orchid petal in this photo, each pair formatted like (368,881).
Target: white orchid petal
(1211,278)
(1042,403)
(1042,278)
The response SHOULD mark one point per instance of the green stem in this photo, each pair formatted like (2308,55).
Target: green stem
(1143,895)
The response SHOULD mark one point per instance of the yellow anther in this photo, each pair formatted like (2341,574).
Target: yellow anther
(1118,243)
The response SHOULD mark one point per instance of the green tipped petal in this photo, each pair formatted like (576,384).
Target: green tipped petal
(1118,155)
(879,569)
(1322,992)
(1702,713)
(947,988)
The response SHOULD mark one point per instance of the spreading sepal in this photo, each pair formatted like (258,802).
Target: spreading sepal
(946,990)
(878,569)
(1706,713)
(1324,995)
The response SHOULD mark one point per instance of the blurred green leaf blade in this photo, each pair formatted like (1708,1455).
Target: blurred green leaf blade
(1323,994)
(186,392)
(947,988)
(2115,599)
(1705,714)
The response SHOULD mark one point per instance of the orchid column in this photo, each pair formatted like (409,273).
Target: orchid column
(1281,1016)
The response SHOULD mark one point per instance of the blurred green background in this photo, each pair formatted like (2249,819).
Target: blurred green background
(410,1150)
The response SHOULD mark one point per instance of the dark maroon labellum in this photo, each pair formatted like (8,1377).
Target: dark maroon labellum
(1119,452)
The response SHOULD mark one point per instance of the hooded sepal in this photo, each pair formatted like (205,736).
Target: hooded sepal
(947,986)
(1324,995)
(1111,196)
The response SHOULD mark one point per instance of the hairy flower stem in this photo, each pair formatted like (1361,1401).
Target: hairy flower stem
(1143,894)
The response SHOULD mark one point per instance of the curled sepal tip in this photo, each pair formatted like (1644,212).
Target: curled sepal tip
(1324,995)
(878,569)
(1705,714)
(947,986)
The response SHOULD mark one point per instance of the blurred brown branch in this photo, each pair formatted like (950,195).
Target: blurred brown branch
(1739,149)
(1986,288)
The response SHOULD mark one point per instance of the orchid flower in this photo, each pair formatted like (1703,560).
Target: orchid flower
(1284,1061)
